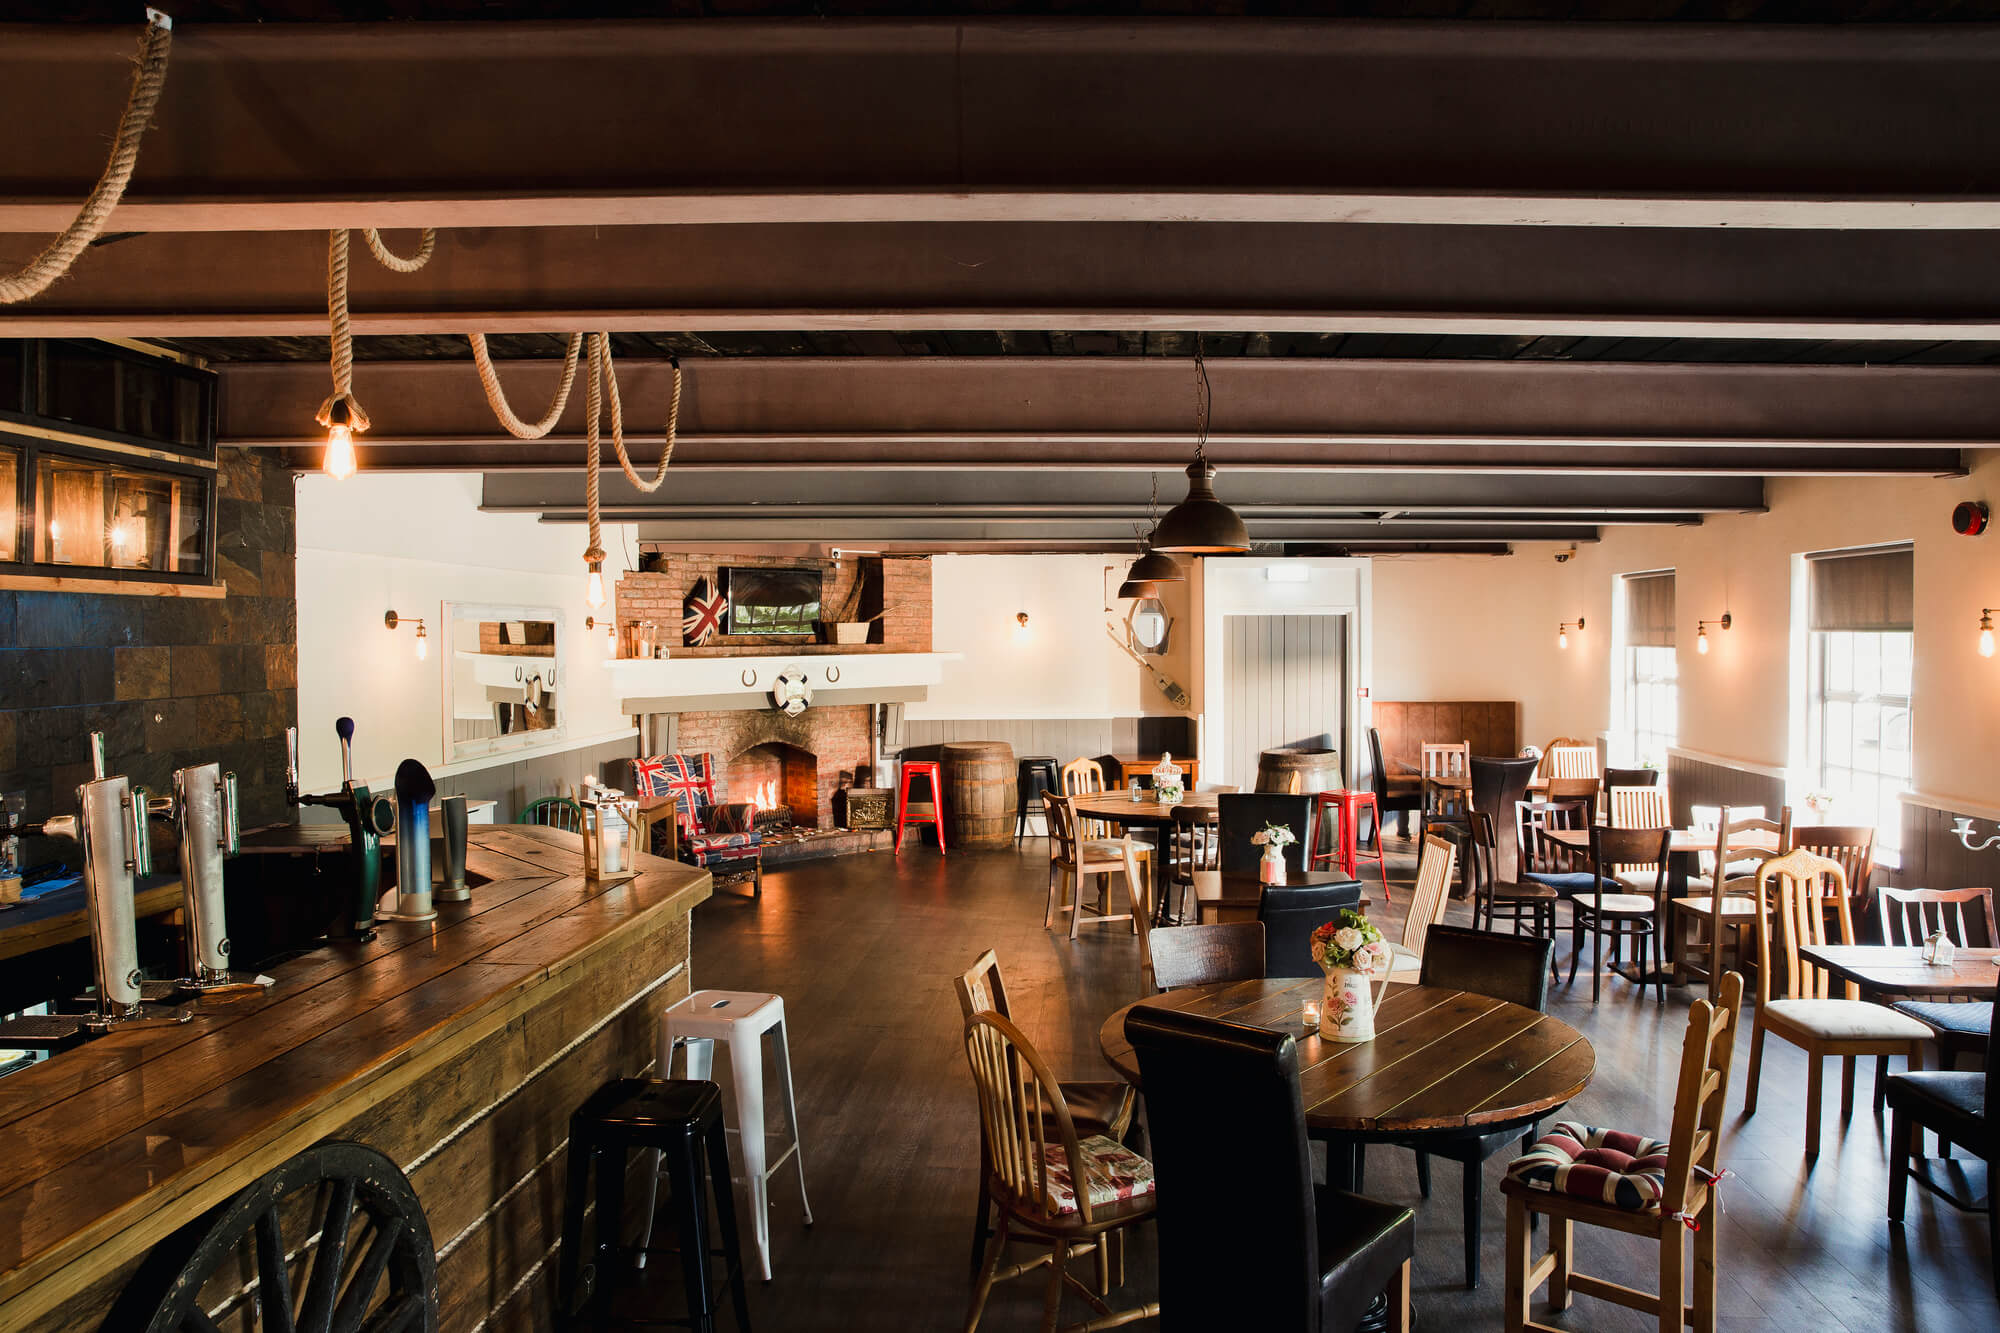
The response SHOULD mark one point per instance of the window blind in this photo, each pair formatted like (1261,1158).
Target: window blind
(1870,590)
(1649,609)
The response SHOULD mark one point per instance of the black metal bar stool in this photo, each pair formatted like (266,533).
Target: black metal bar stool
(682,1120)
(1037,773)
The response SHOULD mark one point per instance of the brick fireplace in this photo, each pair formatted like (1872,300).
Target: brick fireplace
(805,759)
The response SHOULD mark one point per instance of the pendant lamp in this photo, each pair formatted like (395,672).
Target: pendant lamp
(1152,568)
(1201,524)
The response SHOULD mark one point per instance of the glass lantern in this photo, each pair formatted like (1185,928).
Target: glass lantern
(608,845)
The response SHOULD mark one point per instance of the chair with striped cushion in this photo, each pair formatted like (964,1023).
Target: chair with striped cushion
(718,838)
(1626,1182)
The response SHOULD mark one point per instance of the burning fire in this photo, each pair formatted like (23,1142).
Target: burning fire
(765,795)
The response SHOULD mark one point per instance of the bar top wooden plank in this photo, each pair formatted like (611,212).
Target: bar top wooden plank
(144,1129)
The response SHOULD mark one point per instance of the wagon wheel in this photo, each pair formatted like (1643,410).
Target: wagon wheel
(332,1241)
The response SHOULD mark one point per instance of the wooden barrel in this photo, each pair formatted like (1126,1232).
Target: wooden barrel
(980,794)
(1299,771)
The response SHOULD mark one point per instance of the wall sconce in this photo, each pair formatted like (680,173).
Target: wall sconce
(610,634)
(1020,626)
(1562,631)
(392,620)
(1701,632)
(1986,630)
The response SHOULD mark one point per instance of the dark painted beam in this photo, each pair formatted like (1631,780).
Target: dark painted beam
(606,123)
(932,414)
(1124,276)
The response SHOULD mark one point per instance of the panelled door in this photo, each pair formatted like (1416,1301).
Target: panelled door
(1284,684)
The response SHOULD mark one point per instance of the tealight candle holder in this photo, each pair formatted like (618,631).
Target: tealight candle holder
(1310,1021)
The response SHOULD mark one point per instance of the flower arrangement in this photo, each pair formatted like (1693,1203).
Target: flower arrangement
(1351,941)
(1819,802)
(1274,835)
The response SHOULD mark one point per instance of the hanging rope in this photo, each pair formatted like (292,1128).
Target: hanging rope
(394,262)
(1203,398)
(601,382)
(52,263)
(340,406)
(496,397)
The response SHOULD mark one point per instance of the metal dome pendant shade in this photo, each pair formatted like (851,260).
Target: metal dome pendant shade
(1201,524)
(1156,567)
(1133,589)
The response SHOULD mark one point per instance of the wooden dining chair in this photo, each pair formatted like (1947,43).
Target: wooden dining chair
(1623,910)
(1446,804)
(1615,778)
(1495,899)
(1194,842)
(1719,912)
(1669,1191)
(1639,807)
(1085,777)
(1543,859)
(558,812)
(1203,955)
(1908,917)
(1853,846)
(1797,1001)
(1586,790)
(1572,761)
(1104,1106)
(1100,858)
(1078,1194)
(1545,771)
(1435,868)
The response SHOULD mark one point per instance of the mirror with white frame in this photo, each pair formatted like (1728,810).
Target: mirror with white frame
(503,671)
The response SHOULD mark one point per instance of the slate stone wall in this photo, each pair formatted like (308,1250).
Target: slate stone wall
(171,681)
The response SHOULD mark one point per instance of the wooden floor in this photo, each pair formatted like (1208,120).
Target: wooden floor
(864,948)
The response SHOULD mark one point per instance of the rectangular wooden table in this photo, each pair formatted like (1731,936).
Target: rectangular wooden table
(1132,766)
(1892,969)
(1233,895)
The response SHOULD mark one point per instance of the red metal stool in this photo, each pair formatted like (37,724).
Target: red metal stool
(1347,805)
(931,814)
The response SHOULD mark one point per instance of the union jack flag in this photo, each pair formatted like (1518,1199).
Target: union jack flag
(701,614)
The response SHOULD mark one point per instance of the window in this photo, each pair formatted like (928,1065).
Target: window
(1649,679)
(1859,654)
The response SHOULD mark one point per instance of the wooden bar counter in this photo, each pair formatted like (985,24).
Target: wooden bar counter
(458,1047)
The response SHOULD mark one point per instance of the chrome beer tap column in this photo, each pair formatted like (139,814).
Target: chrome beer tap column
(368,818)
(414,789)
(205,812)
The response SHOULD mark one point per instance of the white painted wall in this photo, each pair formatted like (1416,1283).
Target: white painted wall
(411,543)
(1472,627)
(1064,666)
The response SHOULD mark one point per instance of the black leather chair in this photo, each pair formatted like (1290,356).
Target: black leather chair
(1505,967)
(1247,1240)
(1402,793)
(1291,913)
(1238,815)
(1955,1105)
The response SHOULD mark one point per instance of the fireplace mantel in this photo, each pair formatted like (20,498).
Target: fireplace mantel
(679,685)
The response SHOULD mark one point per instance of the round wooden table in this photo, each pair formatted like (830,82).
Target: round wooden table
(1445,1062)
(1118,807)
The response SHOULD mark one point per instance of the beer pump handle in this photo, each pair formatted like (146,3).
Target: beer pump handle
(139,829)
(98,762)
(292,762)
(343,727)
(232,829)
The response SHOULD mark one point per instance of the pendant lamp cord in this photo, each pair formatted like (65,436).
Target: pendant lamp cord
(1203,398)
(601,382)
(62,253)
(341,334)
(496,396)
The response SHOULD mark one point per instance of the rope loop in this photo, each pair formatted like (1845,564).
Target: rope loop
(62,253)
(496,397)
(394,262)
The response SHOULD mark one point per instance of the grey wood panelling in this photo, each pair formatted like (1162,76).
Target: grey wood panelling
(1066,738)
(1692,782)
(1284,684)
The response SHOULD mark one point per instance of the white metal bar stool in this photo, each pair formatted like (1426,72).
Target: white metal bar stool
(742,1019)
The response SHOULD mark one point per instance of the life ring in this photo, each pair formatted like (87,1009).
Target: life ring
(791,692)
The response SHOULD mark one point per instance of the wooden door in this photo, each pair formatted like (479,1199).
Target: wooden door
(1283,684)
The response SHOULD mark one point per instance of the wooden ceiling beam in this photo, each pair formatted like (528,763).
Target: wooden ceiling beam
(601,123)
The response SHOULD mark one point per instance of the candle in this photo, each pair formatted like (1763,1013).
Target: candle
(1311,1017)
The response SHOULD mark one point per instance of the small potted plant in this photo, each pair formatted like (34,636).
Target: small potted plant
(1820,802)
(1273,838)
(1350,950)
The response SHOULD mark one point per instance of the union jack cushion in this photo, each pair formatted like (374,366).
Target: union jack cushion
(711,848)
(1111,1170)
(701,614)
(1602,1165)
(690,777)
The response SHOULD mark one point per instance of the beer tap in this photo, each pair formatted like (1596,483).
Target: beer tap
(368,818)
(204,810)
(111,827)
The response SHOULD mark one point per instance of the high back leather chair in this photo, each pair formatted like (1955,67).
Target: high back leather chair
(1239,815)
(1247,1241)
(1400,792)
(1497,785)
(1291,914)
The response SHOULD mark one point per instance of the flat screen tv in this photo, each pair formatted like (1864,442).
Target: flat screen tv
(770,601)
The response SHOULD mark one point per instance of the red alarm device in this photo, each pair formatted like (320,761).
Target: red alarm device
(1969,518)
